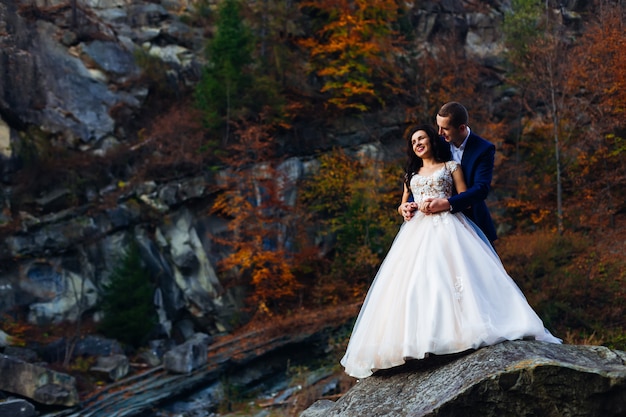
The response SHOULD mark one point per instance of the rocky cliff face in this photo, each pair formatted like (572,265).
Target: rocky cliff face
(520,378)
(73,72)
(71,81)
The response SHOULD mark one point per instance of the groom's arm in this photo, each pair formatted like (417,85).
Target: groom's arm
(481,184)
(477,192)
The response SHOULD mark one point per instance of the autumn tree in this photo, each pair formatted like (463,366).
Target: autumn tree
(598,61)
(352,202)
(572,85)
(252,198)
(173,144)
(574,278)
(352,51)
(598,83)
(540,69)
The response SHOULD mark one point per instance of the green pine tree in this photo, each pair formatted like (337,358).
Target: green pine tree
(127,301)
(521,28)
(225,81)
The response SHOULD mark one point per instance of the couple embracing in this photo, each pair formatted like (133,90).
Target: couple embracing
(441,289)
(476,156)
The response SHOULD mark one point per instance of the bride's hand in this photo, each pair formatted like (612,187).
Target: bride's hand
(407,210)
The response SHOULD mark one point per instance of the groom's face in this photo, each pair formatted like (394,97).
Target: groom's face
(454,135)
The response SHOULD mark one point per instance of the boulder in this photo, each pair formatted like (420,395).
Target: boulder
(40,384)
(519,378)
(114,367)
(189,356)
(5,339)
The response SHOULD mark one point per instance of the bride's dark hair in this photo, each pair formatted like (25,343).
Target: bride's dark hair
(440,148)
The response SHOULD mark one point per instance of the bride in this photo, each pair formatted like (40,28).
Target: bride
(442,288)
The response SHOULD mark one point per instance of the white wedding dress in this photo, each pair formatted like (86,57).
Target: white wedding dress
(441,290)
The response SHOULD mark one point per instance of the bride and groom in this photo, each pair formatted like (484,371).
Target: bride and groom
(441,289)
(476,156)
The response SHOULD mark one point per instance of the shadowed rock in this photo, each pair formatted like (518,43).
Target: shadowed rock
(113,367)
(520,378)
(189,356)
(16,407)
(36,382)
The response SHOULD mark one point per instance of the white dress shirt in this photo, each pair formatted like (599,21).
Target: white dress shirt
(457,153)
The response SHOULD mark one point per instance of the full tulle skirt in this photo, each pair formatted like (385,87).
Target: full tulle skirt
(440,290)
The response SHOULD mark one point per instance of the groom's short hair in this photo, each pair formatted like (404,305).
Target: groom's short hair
(456,112)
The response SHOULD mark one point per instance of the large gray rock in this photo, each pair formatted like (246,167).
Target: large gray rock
(83,84)
(43,385)
(520,378)
(113,367)
(189,356)
(5,339)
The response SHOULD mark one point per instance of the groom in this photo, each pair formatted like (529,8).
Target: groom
(476,156)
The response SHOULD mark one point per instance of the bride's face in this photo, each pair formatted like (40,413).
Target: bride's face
(420,142)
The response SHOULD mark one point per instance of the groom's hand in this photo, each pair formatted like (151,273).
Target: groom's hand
(435,205)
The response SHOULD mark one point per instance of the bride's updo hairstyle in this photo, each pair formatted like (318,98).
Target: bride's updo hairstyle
(440,148)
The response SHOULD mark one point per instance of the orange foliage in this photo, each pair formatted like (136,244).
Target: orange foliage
(252,198)
(597,86)
(574,284)
(573,101)
(270,274)
(598,69)
(174,142)
(353,50)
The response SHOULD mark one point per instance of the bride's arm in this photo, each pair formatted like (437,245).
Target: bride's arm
(459,180)
(406,209)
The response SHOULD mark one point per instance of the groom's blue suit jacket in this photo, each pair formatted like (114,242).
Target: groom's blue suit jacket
(477,167)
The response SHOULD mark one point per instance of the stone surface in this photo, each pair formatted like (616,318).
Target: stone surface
(520,378)
(93,89)
(189,356)
(57,254)
(114,367)
(90,345)
(17,408)
(5,339)
(25,354)
(43,385)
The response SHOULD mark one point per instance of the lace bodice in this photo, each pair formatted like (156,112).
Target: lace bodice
(437,185)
